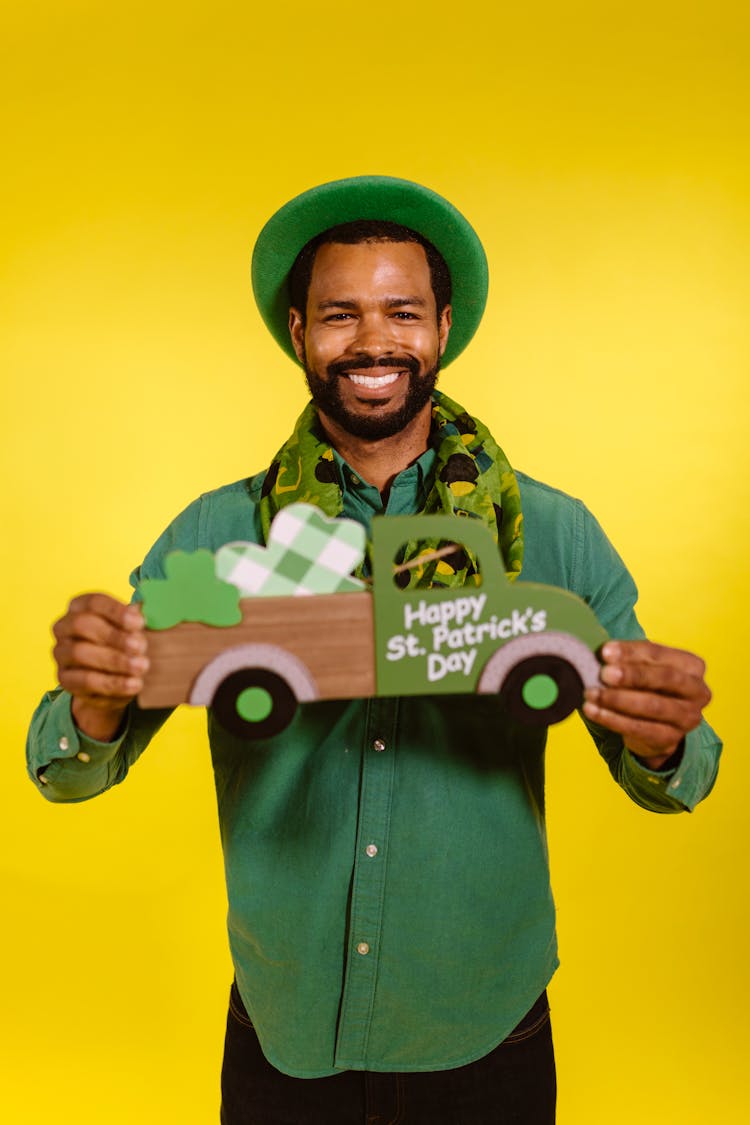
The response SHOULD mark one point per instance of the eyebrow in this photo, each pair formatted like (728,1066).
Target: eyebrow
(391,303)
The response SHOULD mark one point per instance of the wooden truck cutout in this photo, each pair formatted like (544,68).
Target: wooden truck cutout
(253,659)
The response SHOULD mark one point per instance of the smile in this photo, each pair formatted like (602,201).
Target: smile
(375,380)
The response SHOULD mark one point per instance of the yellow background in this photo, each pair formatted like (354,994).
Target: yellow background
(601,153)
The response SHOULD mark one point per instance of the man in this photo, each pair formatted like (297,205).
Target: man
(390,916)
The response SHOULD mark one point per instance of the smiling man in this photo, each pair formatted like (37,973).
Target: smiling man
(372,344)
(368,331)
(390,916)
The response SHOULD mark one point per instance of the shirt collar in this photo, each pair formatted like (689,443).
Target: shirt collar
(407,495)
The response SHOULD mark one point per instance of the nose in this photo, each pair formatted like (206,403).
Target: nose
(374,336)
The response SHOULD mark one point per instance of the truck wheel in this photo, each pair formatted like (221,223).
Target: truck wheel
(254,703)
(542,690)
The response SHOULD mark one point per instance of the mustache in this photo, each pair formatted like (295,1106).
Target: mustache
(365,362)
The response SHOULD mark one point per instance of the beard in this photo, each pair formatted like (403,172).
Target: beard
(379,424)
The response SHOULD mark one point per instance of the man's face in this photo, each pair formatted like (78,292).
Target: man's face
(372,341)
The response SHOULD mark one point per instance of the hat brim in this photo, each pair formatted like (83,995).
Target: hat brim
(370,197)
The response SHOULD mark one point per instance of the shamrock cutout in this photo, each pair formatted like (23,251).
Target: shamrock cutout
(307,553)
(190,591)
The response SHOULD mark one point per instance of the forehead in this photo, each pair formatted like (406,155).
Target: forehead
(393,269)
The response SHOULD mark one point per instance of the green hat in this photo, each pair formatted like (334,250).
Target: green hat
(370,197)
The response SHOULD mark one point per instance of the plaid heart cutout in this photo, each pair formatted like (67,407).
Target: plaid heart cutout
(307,553)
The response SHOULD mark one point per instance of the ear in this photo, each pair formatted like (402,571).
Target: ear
(297,332)
(444,327)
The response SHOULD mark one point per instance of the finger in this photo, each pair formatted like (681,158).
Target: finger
(81,654)
(647,652)
(119,614)
(665,679)
(681,714)
(642,736)
(88,626)
(123,614)
(104,686)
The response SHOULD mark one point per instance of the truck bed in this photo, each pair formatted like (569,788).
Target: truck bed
(332,634)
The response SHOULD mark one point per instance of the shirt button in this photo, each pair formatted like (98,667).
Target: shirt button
(83,756)
(363,948)
(354,478)
(378,745)
(372,849)
(676,783)
(63,743)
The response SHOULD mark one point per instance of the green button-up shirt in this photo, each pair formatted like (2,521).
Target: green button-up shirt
(386,859)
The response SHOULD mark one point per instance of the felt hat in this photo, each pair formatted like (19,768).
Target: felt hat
(370,197)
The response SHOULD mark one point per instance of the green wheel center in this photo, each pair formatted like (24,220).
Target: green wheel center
(540,692)
(254,704)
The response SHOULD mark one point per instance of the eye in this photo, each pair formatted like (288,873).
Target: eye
(334,317)
(404,314)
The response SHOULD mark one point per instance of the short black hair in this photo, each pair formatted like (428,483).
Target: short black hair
(366,230)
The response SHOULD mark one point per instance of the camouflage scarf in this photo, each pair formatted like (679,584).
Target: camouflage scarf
(472,478)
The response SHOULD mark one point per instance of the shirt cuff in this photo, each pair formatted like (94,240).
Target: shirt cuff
(63,748)
(688,781)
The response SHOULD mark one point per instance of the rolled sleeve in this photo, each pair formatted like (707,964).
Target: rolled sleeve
(663,791)
(679,789)
(63,762)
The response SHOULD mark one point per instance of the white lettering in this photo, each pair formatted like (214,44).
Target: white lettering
(440,613)
(463,609)
(439,666)
(439,636)
(519,622)
(412,614)
(477,603)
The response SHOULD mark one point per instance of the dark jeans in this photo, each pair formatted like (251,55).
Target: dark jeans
(514,1085)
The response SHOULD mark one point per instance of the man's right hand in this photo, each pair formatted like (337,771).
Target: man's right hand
(101,660)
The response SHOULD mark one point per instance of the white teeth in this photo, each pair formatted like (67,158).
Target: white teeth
(374,380)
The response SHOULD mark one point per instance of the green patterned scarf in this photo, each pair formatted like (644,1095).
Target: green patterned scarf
(472,478)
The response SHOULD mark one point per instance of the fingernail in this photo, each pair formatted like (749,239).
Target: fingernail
(611,650)
(135,643)
(139,664)
(133,685)
(611,674)
(133,616)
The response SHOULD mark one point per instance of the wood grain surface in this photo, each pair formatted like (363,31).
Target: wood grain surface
(332,634)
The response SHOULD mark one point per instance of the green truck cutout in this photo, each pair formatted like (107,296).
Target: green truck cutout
(233,631)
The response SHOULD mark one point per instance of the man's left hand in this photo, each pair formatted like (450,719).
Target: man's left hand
(650,694)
